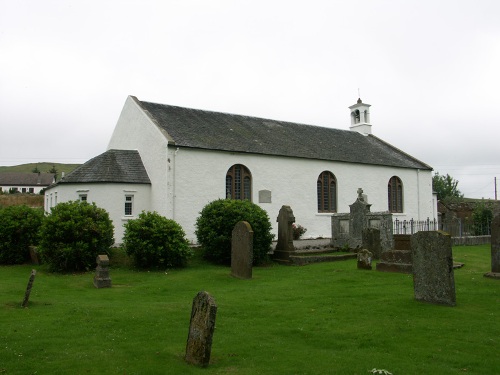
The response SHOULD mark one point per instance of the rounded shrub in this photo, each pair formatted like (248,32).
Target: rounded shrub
(154,241)
(216,222)
(19,226)
(73,235)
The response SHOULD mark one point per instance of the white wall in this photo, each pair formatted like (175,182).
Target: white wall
(110,197)
(135,131)
(200,178)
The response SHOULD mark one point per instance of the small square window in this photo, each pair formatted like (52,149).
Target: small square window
(83,197)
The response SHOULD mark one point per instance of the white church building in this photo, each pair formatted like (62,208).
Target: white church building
(175,160)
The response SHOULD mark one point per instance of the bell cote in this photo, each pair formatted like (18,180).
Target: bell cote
(360,118)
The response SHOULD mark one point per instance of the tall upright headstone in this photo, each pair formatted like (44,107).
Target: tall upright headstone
(371,241)
(242,250)
(201,330)
(285,247)
(495,249)
(433,277)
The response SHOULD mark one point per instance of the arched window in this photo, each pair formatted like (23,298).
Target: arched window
(327,192)
(238,183)
(395,194)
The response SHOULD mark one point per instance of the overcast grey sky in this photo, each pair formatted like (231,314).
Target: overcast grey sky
(429,68)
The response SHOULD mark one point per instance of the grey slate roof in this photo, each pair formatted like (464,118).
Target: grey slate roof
(113,166)
(26,179)
(236,133)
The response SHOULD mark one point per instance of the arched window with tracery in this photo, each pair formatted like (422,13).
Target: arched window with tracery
(395,194)
(327,192)
(238,183)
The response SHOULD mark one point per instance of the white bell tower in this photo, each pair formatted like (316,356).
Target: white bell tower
(360,118)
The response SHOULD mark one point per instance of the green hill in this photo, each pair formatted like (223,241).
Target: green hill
(42,167)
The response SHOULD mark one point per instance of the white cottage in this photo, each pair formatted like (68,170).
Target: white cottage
(175,160)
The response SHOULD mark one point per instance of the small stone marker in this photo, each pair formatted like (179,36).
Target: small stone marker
(201,330)
(284,246)
(28,288)
(365,260)
(495,249)
(433,277)
(101,278)
(242,250)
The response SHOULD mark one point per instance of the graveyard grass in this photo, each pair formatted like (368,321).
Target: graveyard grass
(325,318)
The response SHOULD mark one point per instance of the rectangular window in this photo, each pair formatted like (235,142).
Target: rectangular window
(83,197)
(23,190)
(128,204)
(32,190)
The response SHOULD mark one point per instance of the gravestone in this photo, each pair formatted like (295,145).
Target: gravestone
(359,210)
(495,249)
(201,330)
(371,241)
(101,278)
(285,247)
(28,288)
(365,260)
(433,277)
(242,250)
(35,259)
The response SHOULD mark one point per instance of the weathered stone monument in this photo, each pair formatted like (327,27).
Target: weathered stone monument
(101,278)
(495,249)
(347,228)
(371,241)
(35,259)
(433,277)
(365,260)
(242,250)
(284,247)
(28,288)
(201,330)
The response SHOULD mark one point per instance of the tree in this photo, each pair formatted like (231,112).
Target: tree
(54,171)
(35,170)
(445,187)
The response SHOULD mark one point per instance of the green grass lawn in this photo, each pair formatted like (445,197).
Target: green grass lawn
(325,318)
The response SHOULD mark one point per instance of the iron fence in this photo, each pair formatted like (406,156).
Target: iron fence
(456,227)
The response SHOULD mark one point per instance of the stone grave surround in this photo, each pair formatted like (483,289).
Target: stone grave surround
(242,250)
(347,228)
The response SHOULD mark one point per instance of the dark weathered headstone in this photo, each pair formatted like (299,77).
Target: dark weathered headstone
(433,277)
(35,259)
(28,288)
(371,241)
(242,250)
(359,210)
(201,330)
(495,248)
(101,278)
(284,246)
(365,259)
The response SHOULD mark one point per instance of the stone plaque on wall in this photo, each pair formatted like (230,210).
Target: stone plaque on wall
(264,196)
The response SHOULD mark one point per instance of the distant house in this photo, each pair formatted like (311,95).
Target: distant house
(19,182)
(175,160)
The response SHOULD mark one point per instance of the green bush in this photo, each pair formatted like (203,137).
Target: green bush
(19,226)
(216,222)
(154,241)
(73,235)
